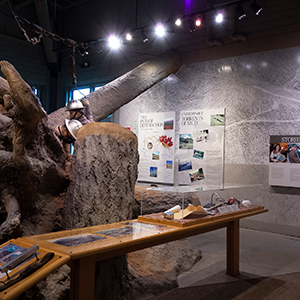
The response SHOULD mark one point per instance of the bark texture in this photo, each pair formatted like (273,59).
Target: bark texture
(36,191)
(29,152)
(103,173)
(154,201)
(109,98)
(32,160)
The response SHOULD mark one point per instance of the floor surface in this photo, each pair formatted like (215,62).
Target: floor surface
(269,269)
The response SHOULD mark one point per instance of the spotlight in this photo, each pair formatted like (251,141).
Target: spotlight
(219,18)
(144,37)
(255,7)
(84,65)
(114,42)
(198,21)
(83,49)
(191,25)
(160,30)
(178,22)
(240,12)
(128,36)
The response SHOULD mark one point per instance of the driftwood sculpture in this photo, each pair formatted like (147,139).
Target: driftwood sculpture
(32,176)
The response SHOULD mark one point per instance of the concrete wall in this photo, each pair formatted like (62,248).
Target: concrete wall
(261,94)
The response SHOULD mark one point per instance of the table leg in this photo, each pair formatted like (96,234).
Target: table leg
(82,279)
(233,248)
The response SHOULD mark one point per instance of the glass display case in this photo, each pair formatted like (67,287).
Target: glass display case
(163,198)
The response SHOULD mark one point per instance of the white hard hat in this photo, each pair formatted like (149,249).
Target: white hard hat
(73,127)
(74,105)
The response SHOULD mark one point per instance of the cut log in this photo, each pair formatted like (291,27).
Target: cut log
(103,173)
(109,98)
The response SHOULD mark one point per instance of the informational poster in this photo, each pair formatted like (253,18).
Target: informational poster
(201,148)
(284,160)
(156,147)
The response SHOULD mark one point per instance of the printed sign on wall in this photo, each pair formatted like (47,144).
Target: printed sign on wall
(201,147)
(284,159)
(156,147)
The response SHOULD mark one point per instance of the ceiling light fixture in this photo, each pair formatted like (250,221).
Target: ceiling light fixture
(114,42)
(128,36)
(255,7)
(144,37)
(84,65)
(191,24)
(219,18)
(178,22)
(198,21)
(160,30)
(240,12)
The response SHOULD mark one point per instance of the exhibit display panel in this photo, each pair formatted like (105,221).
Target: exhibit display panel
(197,149)
(156,147)
(201,147)
(284,160)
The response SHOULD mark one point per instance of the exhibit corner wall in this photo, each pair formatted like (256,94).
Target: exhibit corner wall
(261,94)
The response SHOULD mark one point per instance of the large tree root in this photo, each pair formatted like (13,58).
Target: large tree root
(26,113)
(12,225)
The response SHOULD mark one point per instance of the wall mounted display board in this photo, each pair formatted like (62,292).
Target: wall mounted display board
(284,160)
(201,147)
(156,147)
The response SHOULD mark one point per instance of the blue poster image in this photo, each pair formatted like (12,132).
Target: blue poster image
(153,171)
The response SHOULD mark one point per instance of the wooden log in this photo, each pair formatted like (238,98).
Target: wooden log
(109,98)
(103,174)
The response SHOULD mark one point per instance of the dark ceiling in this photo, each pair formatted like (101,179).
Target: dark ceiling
(89,22)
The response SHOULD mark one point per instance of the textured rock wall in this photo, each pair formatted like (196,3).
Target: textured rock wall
(260,93)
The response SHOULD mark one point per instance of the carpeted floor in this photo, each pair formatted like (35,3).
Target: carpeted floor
(282,287)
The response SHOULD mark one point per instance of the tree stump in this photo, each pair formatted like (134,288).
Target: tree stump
(103,176)
(104,172)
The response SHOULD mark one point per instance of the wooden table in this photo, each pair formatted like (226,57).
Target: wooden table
(111,240)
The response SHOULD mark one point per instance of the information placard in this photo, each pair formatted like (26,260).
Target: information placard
(284,160)
(156,147)
(201,147)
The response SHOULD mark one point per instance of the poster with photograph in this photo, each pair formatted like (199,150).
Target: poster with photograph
(156,147)
(201,148)
(284,160)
